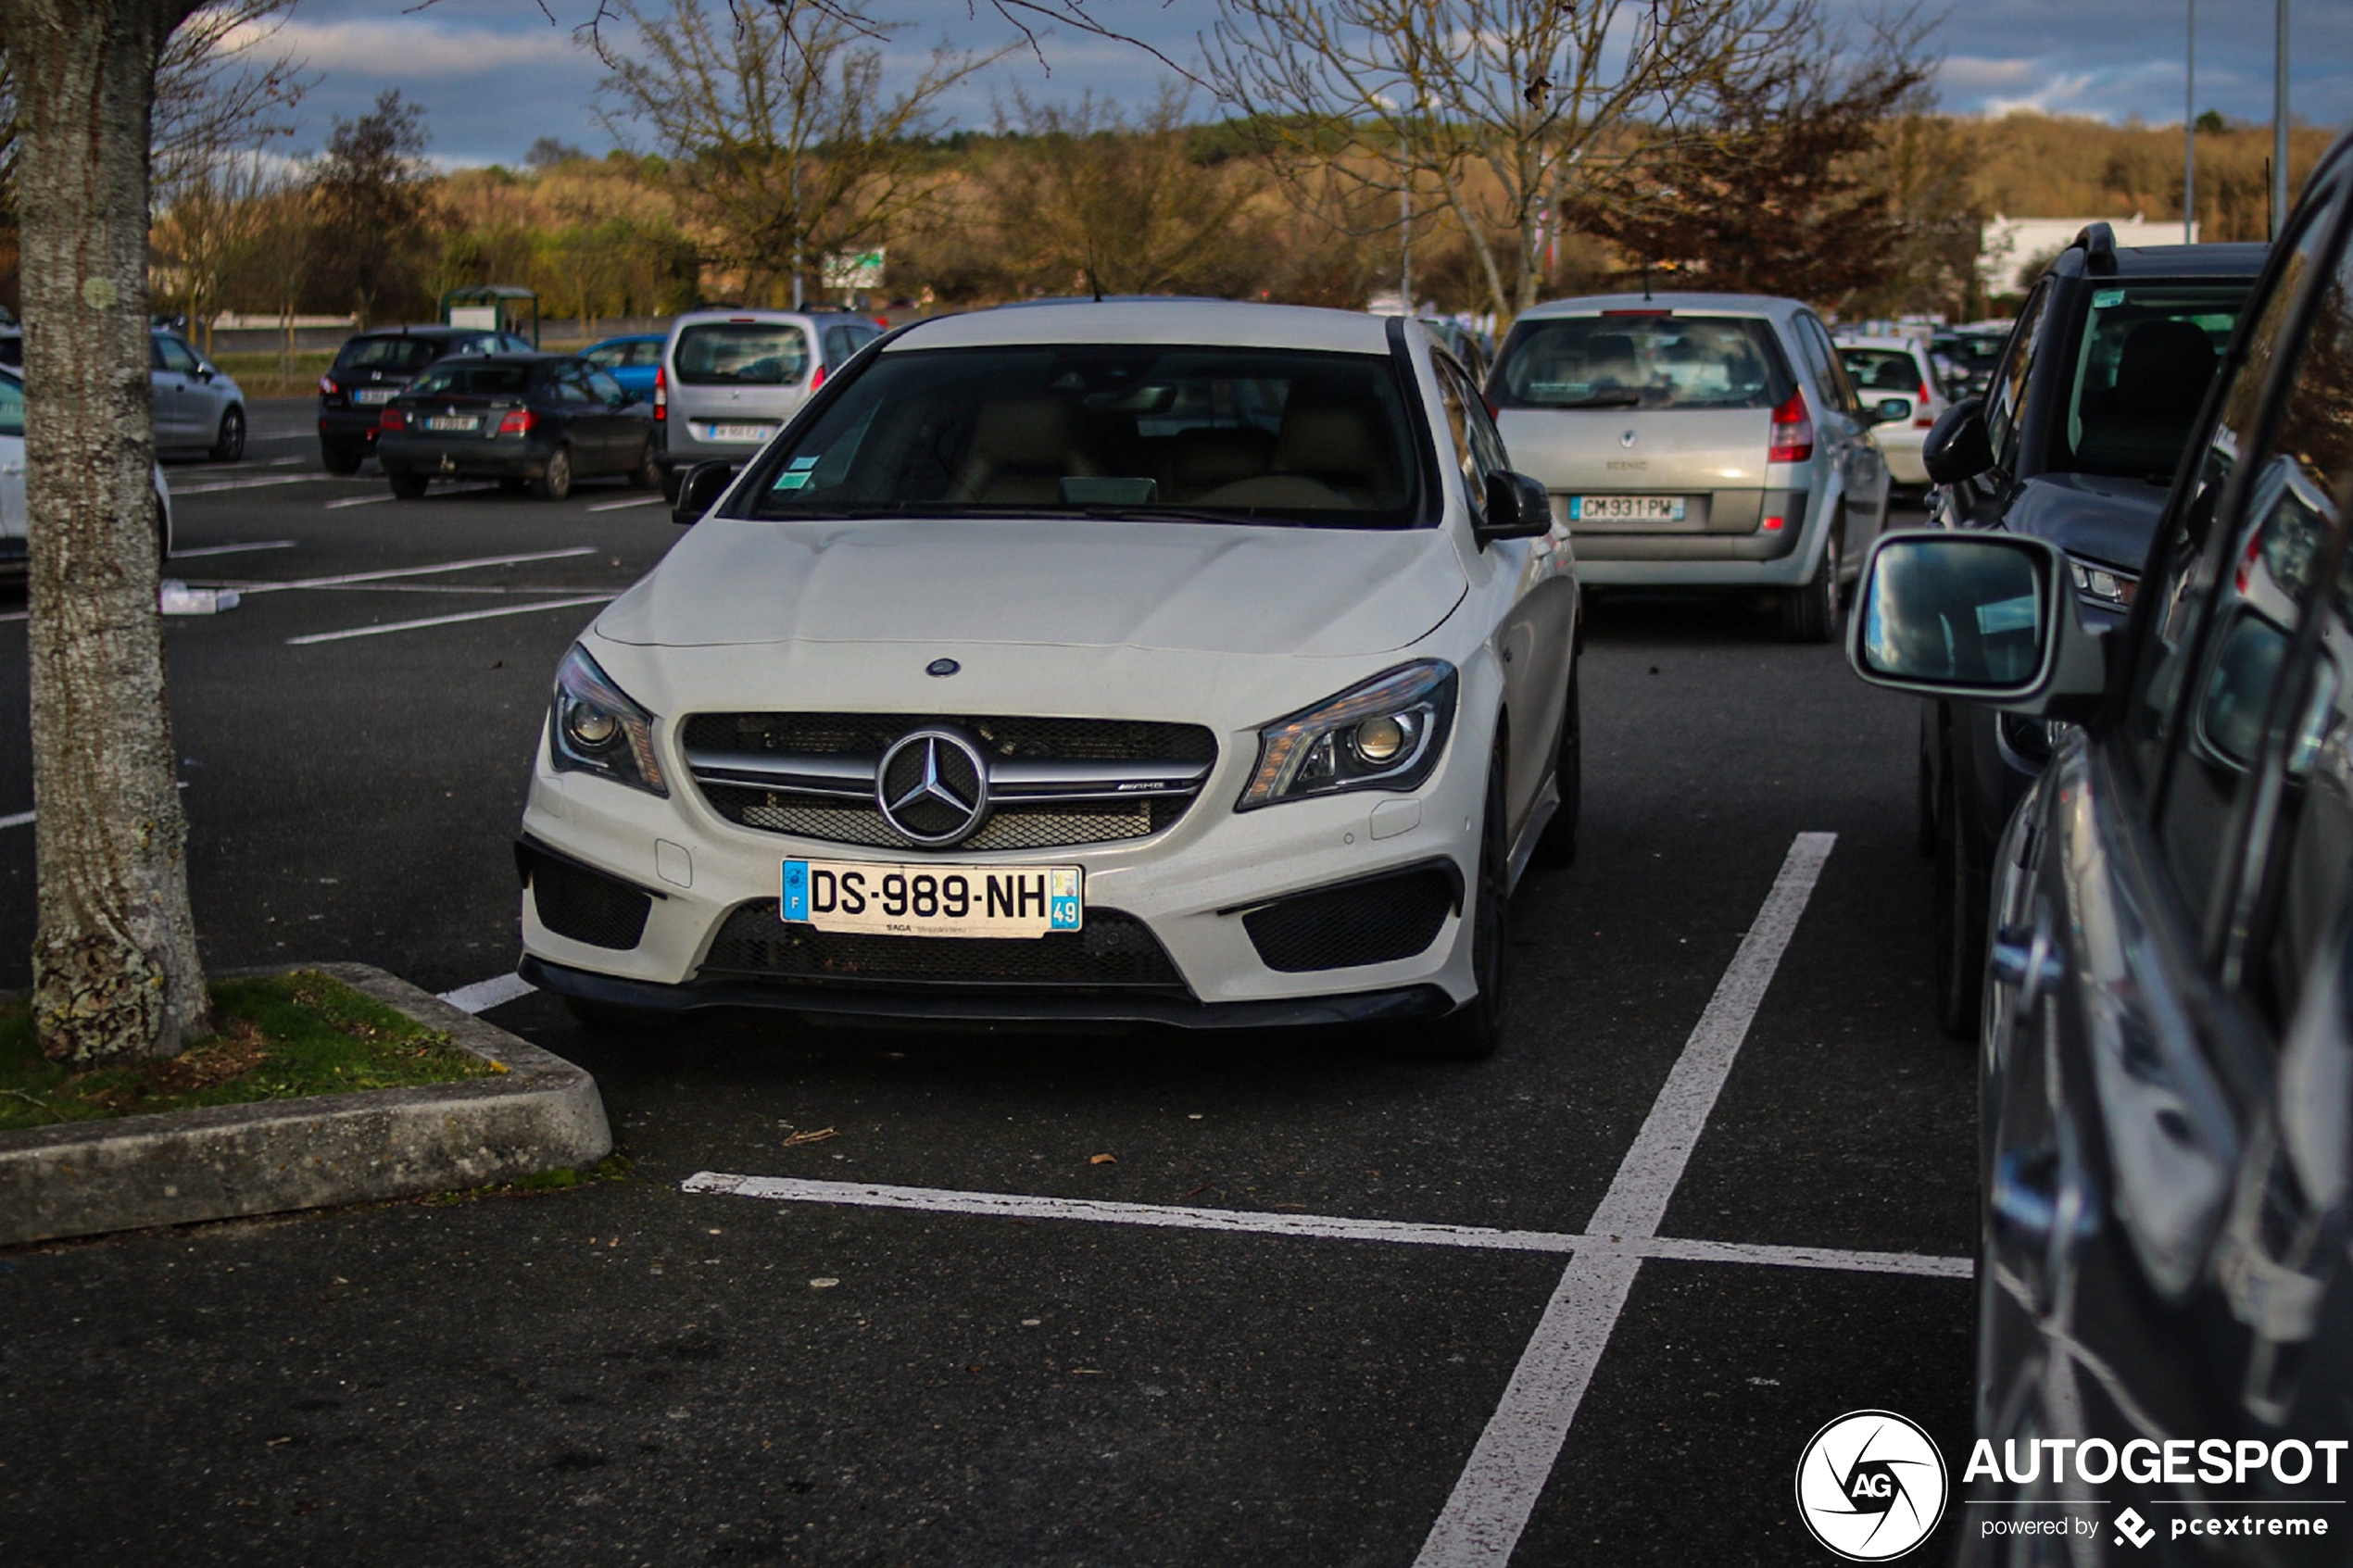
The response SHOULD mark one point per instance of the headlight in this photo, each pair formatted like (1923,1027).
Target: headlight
(2112,589)
(594,728)
(1386,733)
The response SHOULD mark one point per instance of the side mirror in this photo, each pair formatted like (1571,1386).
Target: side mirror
(699,491)
(1986,617)
(205,372)
(1518,508)
(1887,410)
(1957,446)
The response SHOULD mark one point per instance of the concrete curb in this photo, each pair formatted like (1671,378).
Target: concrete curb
(222,1162)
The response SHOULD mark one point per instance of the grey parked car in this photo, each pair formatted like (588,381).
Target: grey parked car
(730,379)
(1700,441)
(198,406)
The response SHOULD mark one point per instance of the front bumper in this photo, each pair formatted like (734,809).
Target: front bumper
(1195,886)
(350,426)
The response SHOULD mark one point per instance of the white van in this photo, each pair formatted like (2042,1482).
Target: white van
(730,379)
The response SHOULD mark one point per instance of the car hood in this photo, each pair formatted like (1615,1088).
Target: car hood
(1178,586)
(2108,520)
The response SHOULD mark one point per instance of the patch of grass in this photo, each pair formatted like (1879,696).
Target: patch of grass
(282,1036)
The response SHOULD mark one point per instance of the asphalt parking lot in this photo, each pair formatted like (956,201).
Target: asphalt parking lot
(874,1298)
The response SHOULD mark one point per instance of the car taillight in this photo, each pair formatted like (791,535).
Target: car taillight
(818,379)
(1793,437)
(1923,420)
(392,419)
(516,421)
(327,387)
(661,394)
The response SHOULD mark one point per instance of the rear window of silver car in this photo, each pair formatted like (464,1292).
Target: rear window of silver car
(1640,360)
(1142,431)
(741,353)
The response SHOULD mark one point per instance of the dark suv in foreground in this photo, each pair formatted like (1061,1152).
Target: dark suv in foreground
(2075,441)
(370,370)
(2165,1324)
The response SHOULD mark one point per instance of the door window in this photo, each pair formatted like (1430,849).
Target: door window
(2006,391)
(173,354)
(1829,371)
(2282,514)
(607,391)
(1479,451)
(569,388)
(11,407)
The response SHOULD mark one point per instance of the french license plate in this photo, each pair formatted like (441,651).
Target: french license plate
(374,394)
(443,421)
(738,433)
(1626,509)
(932,900)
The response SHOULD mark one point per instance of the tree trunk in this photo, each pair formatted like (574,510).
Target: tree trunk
(116,974)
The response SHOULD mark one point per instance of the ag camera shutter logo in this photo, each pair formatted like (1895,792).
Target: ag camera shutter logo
(1871,1485)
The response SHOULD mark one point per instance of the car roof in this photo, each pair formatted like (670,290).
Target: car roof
(1873,340)
(1666,302)
(514,357)
(2234,259)
(1238,323)
(629,337)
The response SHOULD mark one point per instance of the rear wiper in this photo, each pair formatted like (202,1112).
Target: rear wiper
(1616,397)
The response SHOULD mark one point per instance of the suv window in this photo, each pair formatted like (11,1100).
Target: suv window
(2148,351)
(2006,391)
(2187,558)
(2284,508)
(741,352)
(402,355)
(1640,360)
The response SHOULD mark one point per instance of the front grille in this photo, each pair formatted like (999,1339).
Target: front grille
(1030,819)
(1089,740)
(1115,951)
(1377,921)
(576,902)
(1041,826)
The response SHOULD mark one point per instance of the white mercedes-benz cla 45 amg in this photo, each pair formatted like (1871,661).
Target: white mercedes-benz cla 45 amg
(1124,661)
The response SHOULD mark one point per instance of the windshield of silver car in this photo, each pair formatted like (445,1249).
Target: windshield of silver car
(1145,430)
(1640,360)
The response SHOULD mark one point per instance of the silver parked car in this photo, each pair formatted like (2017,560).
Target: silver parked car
(199,406)
(1698,440)
(729,379)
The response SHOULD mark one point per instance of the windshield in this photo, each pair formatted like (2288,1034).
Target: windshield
(401,355)
(2140,373)
(1143,431)
(740,353)
(1883,370)
(1640,360)
(476,380)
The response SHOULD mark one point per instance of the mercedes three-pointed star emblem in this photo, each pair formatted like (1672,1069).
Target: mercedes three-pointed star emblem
(933,788)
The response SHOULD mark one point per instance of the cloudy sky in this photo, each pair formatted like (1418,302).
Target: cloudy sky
(496,75)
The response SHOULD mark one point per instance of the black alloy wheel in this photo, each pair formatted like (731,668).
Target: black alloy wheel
(1810,614)
(556,482)
(1472,1031)
(341,458)
(647,474)
(1960,915)
(406,484)
(1556,846)
(230,444)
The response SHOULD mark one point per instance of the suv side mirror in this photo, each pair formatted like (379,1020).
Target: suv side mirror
(1984,618)
(1518,508)
(699,491)
(1957,446)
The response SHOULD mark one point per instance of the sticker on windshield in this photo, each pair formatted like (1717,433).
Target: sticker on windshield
(2106,297)
(799,463)
(790,480)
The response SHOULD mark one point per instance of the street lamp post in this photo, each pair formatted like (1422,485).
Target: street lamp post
(2279,119)
(2189,138)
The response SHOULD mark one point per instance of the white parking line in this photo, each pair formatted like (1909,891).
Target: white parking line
(633,501)
(447,620)
(941,1200)
(415,570)
(359,501)
(484,995)
(22,819)
(265,482)
(233,549)
(1484,1518)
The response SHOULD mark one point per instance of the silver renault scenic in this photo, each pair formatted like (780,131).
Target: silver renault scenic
(1697,440)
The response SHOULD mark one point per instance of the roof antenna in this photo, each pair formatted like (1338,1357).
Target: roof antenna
(1646,279)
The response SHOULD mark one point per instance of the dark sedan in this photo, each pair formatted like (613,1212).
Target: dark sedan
(535,421)
(369,372)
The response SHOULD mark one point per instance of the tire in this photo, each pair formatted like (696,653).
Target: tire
(609,1018)
(556,482)
(163,534)
(407,485)
(336,457)
(230,444)
(1556,846)
(650,475)
(1959,924)
(1472,1031)
(1810,614)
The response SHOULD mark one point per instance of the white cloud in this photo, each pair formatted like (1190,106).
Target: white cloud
(419,46)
